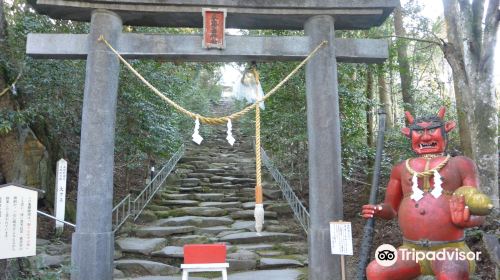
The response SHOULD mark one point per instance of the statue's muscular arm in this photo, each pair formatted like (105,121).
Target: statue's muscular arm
(460,214)
(394,193)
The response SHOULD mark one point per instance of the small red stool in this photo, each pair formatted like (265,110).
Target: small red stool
(204,257)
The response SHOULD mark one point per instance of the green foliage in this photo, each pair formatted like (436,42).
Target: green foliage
(50,95)
(284,128)
(51,91)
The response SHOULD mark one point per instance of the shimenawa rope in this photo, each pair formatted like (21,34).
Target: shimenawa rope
(203,119)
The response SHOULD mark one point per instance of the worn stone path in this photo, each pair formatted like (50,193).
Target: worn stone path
(210,199)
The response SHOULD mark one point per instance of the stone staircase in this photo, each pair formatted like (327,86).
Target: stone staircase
(210,199)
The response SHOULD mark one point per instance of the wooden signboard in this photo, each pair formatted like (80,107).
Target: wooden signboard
(341,238)
(214,25)
(18,208)
(341,241)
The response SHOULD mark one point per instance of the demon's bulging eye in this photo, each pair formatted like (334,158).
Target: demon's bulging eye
(432,130)
(419,131)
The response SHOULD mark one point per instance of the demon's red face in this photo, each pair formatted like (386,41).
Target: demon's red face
(427,138)
(428,135)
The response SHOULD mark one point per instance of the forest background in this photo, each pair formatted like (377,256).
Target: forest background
(433,62)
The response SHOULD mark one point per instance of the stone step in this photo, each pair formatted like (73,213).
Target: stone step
(228,232)
(163,231)
(199,175)
(249,205)
(190,189)
(187,159)
(295,247)
(242,260)
(195,221)
(189,239)
(276,228)
(284,274)
(249,215)
(268,253)
(156,207)
(272,263)
(211,170)
(267,205)
(244,225)
(212,230)
(280,208)
(269,225)
(230,204)
(186,203)
(271,193)
(231,197)
(275,274)
(215,185)
(209,196)
(177,196)
(176,252)
(252,247)
(143,246)
(252,237)
(144,267)
(190,182)
(192,211)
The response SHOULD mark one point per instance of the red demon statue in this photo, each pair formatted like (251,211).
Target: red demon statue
(435,197)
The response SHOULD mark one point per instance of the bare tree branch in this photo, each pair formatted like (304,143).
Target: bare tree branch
(411,39)
(477,25)
(490,35)
(465,18)
(452,23)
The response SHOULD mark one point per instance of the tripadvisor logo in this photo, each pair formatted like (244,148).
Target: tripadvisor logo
(386,255)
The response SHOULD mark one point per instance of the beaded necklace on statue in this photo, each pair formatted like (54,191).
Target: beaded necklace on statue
(418,193)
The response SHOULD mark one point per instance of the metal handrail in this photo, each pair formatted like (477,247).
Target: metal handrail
(142,200)
(121,212)
(127,207)
(299,210)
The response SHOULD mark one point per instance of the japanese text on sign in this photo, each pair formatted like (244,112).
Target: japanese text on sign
(214,21)
(18,222)
(341,238)
(60,192)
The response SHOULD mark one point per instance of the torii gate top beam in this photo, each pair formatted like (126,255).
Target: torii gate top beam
(244,14)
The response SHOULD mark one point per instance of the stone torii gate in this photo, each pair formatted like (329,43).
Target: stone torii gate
(93,240)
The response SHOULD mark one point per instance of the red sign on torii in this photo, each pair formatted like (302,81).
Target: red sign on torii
(214,25)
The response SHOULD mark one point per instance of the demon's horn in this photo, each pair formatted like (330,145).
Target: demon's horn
(409,117)
(441,112)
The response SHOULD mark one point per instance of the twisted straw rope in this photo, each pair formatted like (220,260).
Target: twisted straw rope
(428,172)
(258,160)
(211,120)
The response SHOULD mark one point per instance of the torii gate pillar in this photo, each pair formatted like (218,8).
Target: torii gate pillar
(93,241)
(92,252)
(323,127)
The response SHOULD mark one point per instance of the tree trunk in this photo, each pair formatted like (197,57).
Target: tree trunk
(384,97)
(471,33)
(463,126)
(404,67)
(369,108)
